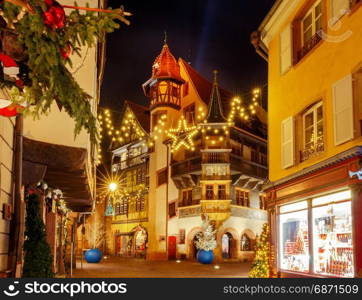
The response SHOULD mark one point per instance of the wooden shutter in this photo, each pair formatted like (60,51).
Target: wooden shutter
(343,110)
(339,8)
(287,140)
(286,49)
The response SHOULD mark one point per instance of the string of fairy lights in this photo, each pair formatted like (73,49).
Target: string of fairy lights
(183,135)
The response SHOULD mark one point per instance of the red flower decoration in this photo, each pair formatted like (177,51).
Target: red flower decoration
(65,52)
(54,17)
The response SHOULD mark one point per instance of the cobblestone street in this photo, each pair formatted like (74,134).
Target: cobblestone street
(115,267)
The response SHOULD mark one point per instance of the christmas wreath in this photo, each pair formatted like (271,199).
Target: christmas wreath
(37,38)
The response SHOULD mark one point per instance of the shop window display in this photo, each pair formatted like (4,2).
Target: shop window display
(294,245)
(332,239)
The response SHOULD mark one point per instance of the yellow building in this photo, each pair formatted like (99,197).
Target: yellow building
(315,123)
(130,163)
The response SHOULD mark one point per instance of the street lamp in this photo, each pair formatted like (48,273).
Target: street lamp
(112,187)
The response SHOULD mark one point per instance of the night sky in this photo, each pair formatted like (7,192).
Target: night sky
(210,34)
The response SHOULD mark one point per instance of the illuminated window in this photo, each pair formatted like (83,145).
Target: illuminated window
(209,192)
(312,23)
(221,193)
(242,198)
(313,131)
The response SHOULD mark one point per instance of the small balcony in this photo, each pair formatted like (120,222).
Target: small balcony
(189,211)
(312,151)
(247,167)
(130,162)
(192,165)
(215,157)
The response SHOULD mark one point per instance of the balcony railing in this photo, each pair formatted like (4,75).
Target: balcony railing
(215,158)
(309,45)
(311,152)
(189,211)
(130,162)
(238,164)
(192,165)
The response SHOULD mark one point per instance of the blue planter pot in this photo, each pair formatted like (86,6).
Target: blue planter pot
(205,257)
(93,256)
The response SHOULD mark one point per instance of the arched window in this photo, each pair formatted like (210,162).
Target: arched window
(245,244)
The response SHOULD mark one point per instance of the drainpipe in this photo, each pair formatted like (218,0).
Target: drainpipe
(260,48)
(18,225)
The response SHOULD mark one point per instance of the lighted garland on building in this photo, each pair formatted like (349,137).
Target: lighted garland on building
(182,136)
(261,266)
(38,38)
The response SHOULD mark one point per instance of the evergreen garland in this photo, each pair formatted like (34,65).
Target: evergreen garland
(261,267)
(38,259)
(49,78)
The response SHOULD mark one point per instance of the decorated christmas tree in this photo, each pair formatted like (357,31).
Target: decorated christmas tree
(206,238)
(261,266)
(38,259)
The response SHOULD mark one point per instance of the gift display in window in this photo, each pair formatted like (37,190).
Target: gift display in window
(294,241)
(333,251)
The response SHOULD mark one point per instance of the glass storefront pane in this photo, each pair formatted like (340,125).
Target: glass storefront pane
(332,240)
(293,243)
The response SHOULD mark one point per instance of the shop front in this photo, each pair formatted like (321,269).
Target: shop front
(316,221)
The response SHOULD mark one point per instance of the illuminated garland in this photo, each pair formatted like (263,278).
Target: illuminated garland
(182,135)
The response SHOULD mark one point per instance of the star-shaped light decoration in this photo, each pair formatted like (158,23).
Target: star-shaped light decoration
(182,136)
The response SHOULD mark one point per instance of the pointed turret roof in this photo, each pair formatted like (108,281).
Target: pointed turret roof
(215,111)
(166,66)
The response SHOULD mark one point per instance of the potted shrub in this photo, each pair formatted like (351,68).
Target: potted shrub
(205,243)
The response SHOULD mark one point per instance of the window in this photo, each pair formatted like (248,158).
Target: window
(140,203)
(172,209)
(312,23)
(306,29)
(332,235)
(293,239)
(313,132)
(242,198)
(187,198)
(186,89)
(262,200)
(117,209)
(162,177)
(209,192)
(189,113)
(245,243)
(123,207)
(221,192)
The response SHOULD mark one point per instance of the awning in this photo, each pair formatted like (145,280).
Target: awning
(61,167)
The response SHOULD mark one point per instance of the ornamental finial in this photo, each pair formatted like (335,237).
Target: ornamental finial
(165,39)
(215,76)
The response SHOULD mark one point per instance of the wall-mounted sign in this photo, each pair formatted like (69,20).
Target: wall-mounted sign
(358,174)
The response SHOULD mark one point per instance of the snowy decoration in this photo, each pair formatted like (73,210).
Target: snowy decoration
(206,238)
